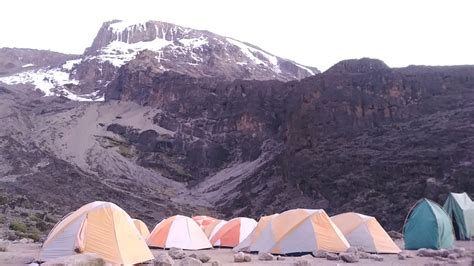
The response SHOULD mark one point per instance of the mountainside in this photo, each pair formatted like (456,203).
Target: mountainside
(169,47)
(360,136)
(14,60)
(185,121)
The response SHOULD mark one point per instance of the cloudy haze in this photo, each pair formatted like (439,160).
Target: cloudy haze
(315,33)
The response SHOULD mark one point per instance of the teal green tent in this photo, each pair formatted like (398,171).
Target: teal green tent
(461,210)
(428,226)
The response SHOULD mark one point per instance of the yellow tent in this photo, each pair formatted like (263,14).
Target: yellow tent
(142,228)
(295,231)
(98,227)
(366,232)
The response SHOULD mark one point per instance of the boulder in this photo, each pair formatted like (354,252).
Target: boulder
(364,255)
(376,257)
(84,259)
(203,257)
(176,253)
(247,258)
(319,254)
(332,256)
(239,257)
(194,255)
(265,256)
(189,261)
(349,257)
(163,259)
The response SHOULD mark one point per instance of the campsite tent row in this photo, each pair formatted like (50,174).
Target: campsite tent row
(105,229)
(428,225)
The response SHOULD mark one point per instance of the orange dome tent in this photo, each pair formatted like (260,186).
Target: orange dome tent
(179,232)
(233,232)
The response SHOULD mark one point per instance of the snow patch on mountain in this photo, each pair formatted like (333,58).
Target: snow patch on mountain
(253,54)
(118,53)
(51,82)
(69,65)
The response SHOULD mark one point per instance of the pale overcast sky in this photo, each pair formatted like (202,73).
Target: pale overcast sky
(311,32)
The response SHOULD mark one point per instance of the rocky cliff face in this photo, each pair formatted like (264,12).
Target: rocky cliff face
(360,137)
(14,60)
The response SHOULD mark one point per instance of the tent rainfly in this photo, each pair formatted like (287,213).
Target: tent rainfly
(366,232)
(204,221)
(460,208)
(295,231)
(98,227)
(178,232)
(233,232)
(428,226)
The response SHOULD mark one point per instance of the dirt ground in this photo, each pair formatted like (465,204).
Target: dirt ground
(21,254)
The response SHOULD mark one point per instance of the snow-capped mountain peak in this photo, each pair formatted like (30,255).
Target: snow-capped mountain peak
(184,50)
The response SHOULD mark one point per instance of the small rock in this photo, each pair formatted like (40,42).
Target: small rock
(443,253)
(280,258)
(265,256)
(349,257)
(89,259)
(176,253)
(239,257)
(404,255)
(203,258)
(189,261)
(453,256)
(25,241)
(395,235)
(163,259)
(319,254)
(332,256)
(364,255)
(194,255)
(247,258)
(215,263)
(424,252)
(352,250)
(460,251)
(301,262)
(440,258)
(376,257)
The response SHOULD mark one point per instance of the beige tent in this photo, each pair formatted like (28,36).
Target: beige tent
(366,232)
(179,232)
(98,227)
(295,231)
(142,228)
